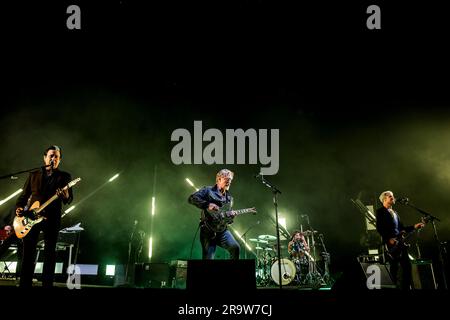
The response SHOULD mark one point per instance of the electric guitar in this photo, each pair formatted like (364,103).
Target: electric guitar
(401,241)
(217,221)
(29,218)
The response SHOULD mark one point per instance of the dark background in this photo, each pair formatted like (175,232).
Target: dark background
(359,111)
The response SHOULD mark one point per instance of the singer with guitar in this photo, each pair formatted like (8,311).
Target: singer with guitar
(213,223)
(40,186)
(392,230)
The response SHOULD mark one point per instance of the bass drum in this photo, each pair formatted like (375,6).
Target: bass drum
(287,271)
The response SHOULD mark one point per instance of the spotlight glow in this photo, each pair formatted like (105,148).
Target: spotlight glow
(282,221)
(10,196)
(110,269)
(114,177)
(153,205)
(191,184)
(150,244)
(246,244)
(70,209)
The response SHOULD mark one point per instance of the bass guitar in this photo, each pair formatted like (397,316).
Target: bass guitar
(31,217)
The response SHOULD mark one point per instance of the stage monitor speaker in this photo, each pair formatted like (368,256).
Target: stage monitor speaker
(423,275)
(151,275)
(178,273)
(385,277)
(226,275)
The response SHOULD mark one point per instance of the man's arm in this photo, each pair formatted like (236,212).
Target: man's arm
(200,198)
(383,225)
(66,195)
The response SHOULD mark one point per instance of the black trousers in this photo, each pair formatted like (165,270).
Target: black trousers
(50,230)
(401,270)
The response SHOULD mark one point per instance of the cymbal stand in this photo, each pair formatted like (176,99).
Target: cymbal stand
(313,278)
(275,192)
(326,256)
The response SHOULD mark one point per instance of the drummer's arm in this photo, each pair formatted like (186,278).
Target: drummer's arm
(306,245)
(290,244)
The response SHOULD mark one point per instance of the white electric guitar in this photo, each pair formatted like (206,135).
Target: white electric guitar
(22,225)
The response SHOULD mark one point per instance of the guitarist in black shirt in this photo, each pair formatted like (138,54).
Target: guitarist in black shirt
(211,199)
(40,186)
(391,230)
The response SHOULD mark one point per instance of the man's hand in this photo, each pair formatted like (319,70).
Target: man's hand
(393,241)
(419,225)
(63,194)
(213,207)
(19,212)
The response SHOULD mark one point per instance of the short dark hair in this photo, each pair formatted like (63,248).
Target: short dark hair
(54,147)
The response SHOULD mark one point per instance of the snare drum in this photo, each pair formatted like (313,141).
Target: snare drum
(287,271)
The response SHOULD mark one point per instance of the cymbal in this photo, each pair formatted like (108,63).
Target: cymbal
(258,241)
(258,248)
(309,232)
(268,249)
(267,237)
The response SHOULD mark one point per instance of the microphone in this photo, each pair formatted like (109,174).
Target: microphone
(402,200)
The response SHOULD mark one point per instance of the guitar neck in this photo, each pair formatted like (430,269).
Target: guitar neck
(241,211)
(46,203)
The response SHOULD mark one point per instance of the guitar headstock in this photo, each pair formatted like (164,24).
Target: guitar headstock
(73,182)
(426,219)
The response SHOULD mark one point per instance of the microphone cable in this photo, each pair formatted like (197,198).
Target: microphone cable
(193,241)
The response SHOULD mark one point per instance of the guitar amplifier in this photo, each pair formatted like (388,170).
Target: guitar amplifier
(178,273)
(423,275)
(385,276)
(151,275)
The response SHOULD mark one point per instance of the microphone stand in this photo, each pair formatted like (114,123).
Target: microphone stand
(275,192)
(244,236)
(433,219)
(12,175)
(129,251)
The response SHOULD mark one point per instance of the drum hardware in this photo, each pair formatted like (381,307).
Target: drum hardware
(288,271)
(267,237)
(259,241)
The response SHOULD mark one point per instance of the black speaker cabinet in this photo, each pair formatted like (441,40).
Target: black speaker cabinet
(221,275)
(151,275)
(385,277)
(423,275)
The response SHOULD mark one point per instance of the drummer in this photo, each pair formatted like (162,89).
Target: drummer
(298,248)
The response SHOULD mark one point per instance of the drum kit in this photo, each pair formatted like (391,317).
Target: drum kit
(293,270)
(265,256)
